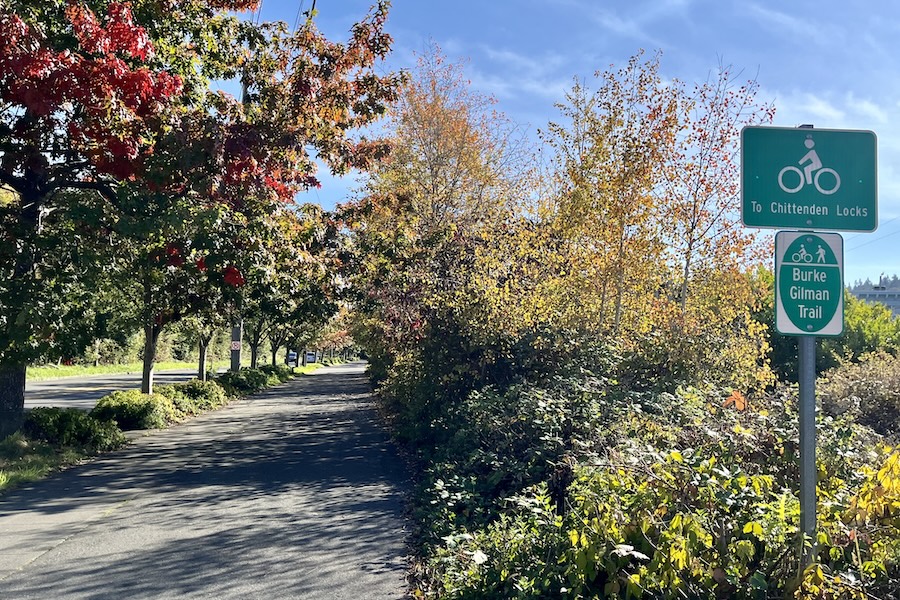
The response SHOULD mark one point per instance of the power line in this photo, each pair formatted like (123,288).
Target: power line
(299,14)
(258,13)
(872,241)
(856,235)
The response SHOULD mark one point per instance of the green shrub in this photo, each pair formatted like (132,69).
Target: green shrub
(70,427)
(184,406)
(246,381)
(204,395)
(868,390)
(282,372)
(133,410)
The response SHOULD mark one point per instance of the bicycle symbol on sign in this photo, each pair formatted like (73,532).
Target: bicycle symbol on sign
(804,256)
(806,176)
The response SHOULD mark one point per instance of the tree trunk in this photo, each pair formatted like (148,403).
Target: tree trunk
(686,274)
(12,398)
(204,349)
(274,355)
(620,281)
(254,356)
(151,336)
(27,229)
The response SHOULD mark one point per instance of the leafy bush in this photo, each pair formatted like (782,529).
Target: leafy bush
(246,381)
(282,372)
(869,391)
(679,495)
(133,410)
(184,406)
(205,395)
(574,486)
(70,427)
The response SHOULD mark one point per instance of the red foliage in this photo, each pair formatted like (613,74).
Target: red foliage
(174,258)
(233,277)
(91,94)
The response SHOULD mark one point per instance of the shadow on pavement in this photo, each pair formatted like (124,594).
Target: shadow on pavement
(292,493)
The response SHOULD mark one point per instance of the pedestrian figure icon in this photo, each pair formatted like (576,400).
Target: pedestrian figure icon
(806,177)
(820,254)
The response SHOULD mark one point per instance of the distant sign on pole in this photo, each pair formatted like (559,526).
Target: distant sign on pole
(809,283)
(822,179)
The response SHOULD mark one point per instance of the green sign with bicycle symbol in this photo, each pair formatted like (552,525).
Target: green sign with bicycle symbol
(809,283)
(809,178)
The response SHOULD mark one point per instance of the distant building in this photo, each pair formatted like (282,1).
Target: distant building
(886,291)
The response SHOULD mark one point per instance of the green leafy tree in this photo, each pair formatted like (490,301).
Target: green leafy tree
(82,101)
(118,104)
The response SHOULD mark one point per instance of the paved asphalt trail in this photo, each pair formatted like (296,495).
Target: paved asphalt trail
(293,493)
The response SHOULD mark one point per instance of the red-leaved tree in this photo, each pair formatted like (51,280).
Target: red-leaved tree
(79,109)
(134,149)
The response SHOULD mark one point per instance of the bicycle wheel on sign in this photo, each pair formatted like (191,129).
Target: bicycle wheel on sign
(785,188)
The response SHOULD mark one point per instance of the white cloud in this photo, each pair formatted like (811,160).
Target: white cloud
(834,110)
(515,75)
(796,28)
(779,19)
(636,25)
(870,109)
(630,28)
(796,108)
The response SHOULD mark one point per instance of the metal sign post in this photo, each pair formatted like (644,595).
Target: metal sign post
(808,472)
(809,179)
(809,301)
(237,333)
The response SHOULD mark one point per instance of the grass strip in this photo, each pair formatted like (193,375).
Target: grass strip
(39,373)
(23,460)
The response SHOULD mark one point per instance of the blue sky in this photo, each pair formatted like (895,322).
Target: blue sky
(830,63)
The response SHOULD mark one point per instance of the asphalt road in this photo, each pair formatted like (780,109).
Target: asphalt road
(83,392)
(293,493)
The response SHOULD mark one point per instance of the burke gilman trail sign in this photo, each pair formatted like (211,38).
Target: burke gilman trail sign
(809,283)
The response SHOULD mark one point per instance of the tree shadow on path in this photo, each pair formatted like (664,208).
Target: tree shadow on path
(293,493)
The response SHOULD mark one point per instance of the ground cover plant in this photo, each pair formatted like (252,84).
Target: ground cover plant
(52,439)
(573,487)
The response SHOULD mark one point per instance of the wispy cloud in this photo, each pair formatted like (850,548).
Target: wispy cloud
(633,21)
(514,75)
(793,109)
(872,110)
(506,58)
(828,108)
(794,27)
(625,27)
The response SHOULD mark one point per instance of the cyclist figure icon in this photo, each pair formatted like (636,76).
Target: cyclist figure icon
(806,176)
(803,256)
